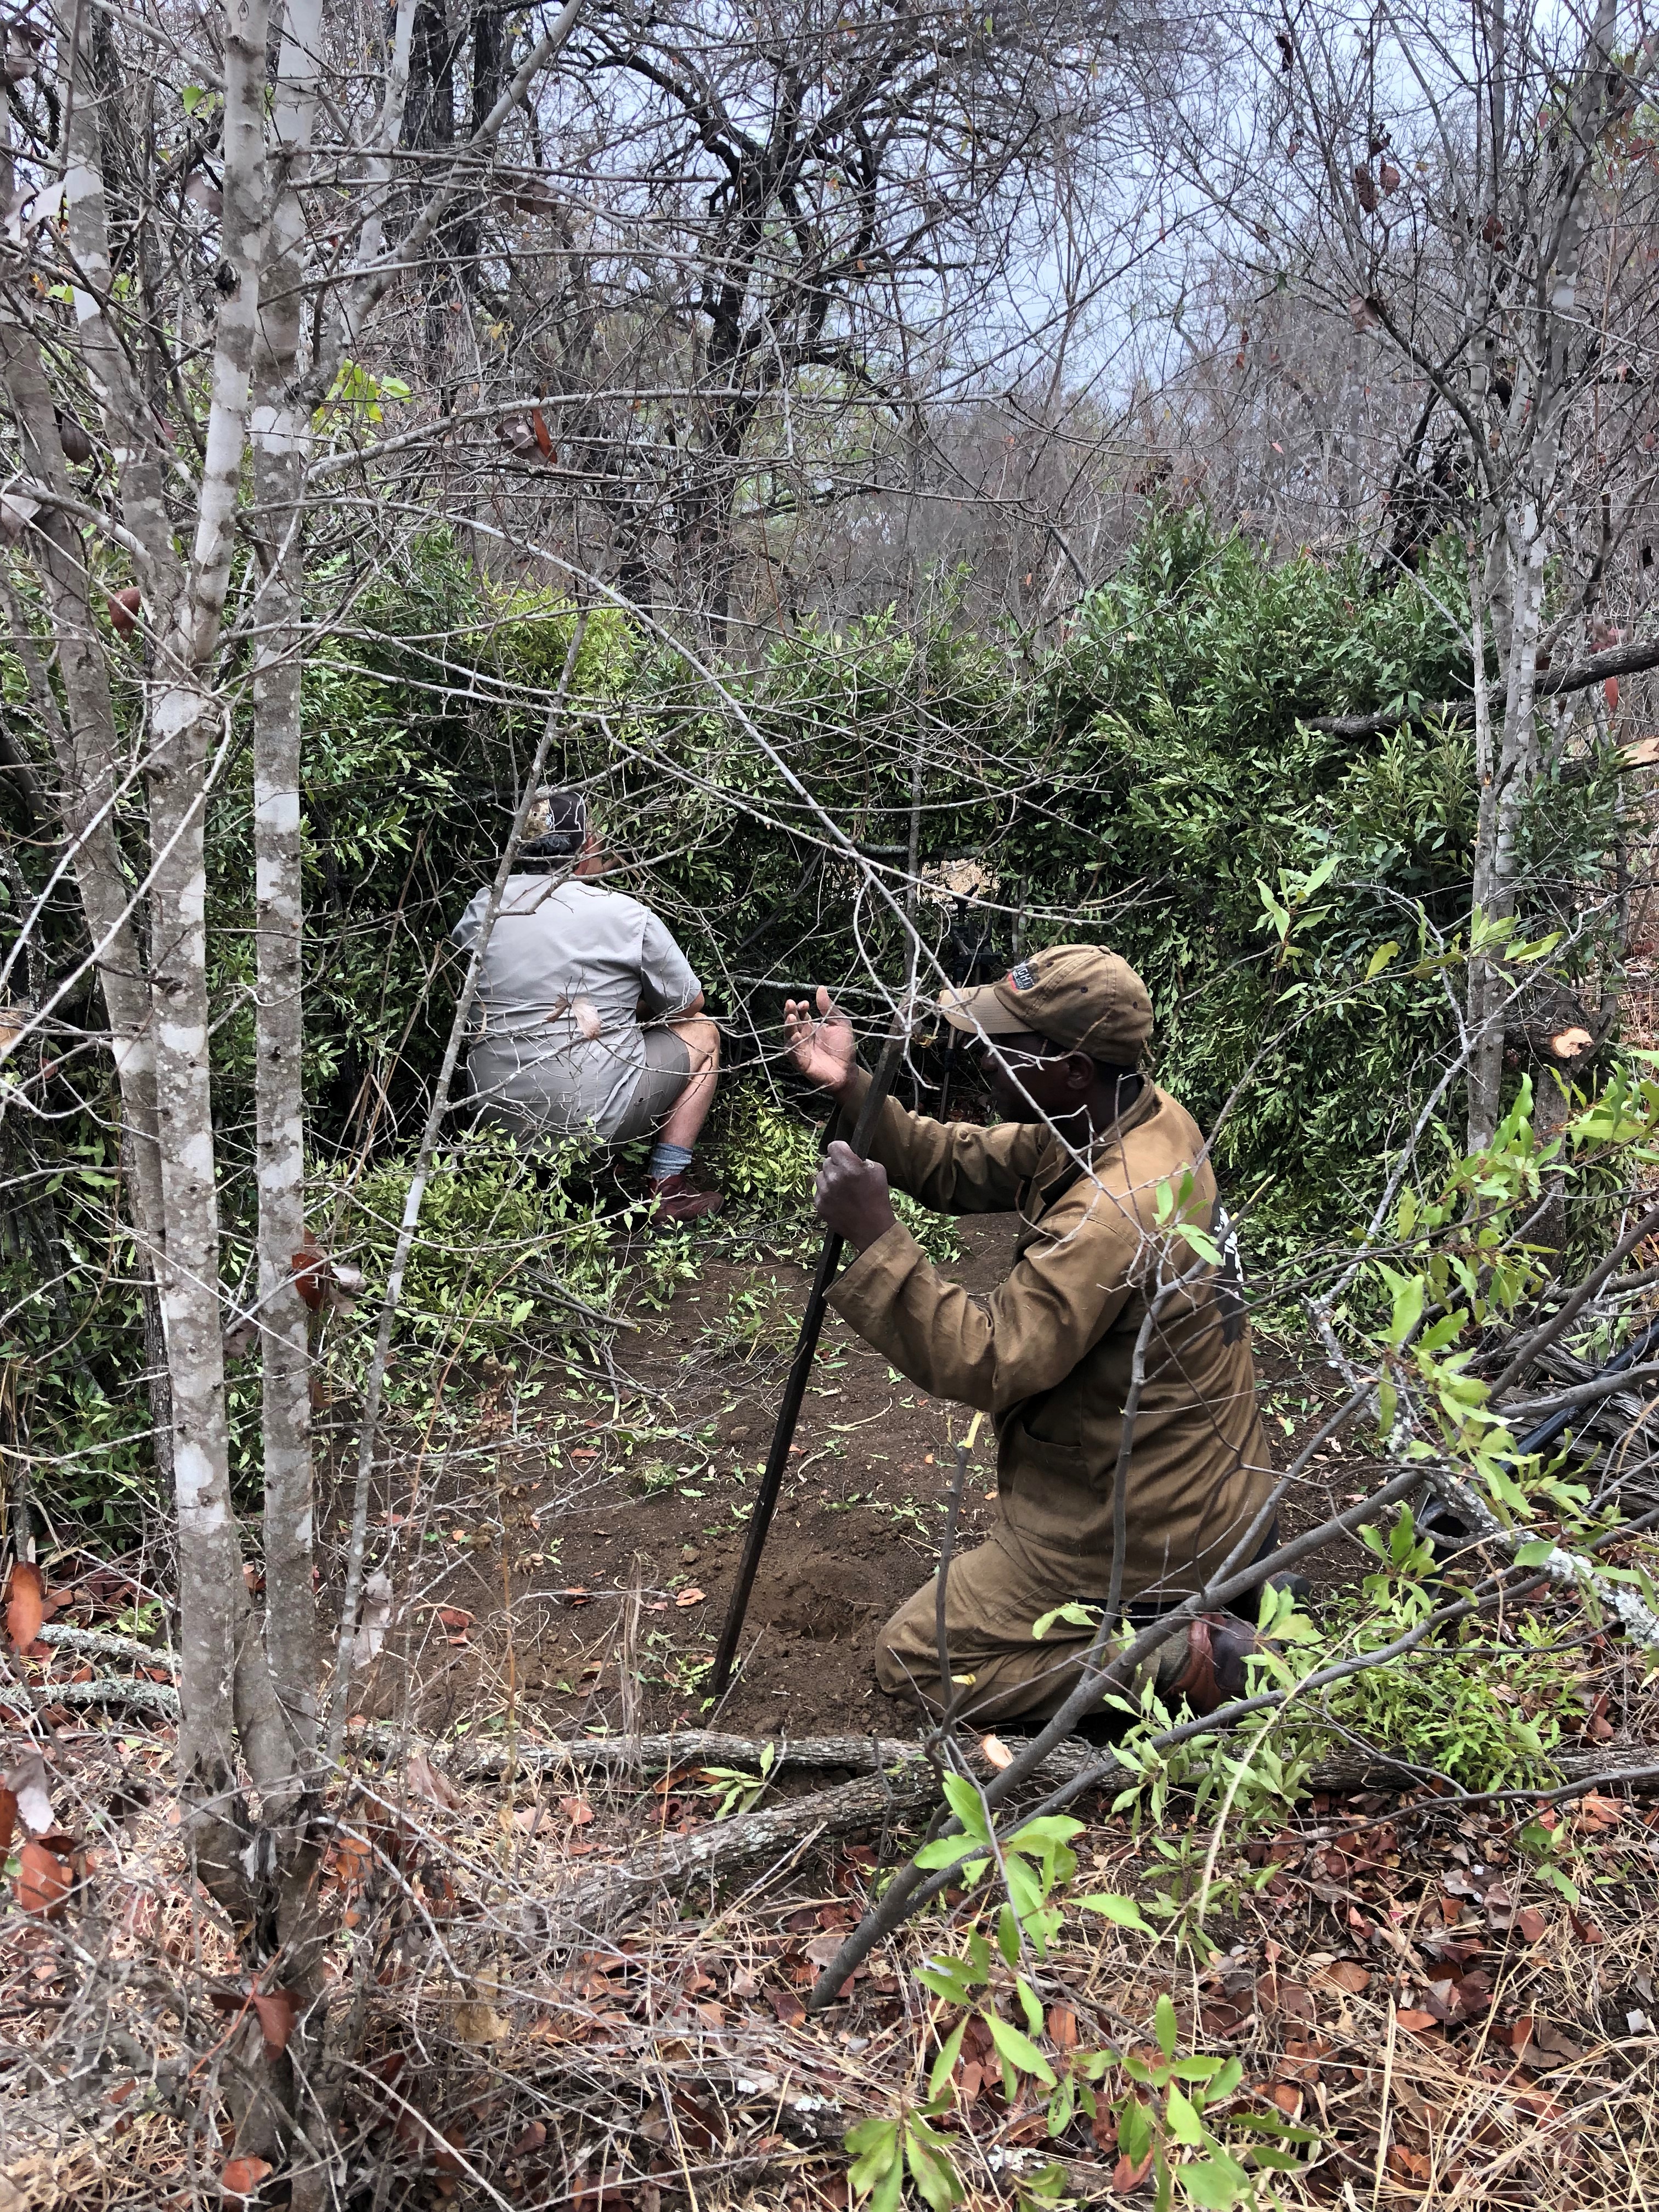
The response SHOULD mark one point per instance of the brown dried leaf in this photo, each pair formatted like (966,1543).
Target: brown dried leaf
(995,1752)
(1417,2023)
(1062,2027)
(1472,1995)
(425,1780)
(239,2178)
(309,1268)
(576,1810)
(689,1596)
(1127,2175)
(43,1881)
(25,1604)
(277,2010)
(700,2123)
(1596,1813)
(479,2023)
(1548,2038)
(124,608)
(1348,1974)
(1530,1925)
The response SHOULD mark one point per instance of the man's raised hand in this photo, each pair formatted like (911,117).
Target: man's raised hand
(822,1045)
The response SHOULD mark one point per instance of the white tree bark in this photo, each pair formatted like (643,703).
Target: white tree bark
(377,180)
(224,1684)
(1519,552)
(280,447)
(92,773)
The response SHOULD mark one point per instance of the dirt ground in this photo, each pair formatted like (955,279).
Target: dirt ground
(587,1588)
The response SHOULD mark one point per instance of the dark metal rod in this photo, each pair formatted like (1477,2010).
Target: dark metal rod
(800,1370)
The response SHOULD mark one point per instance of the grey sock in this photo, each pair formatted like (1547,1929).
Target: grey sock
(668,1160)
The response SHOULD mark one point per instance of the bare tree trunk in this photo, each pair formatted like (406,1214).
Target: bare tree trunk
(89,774)
(1486,1052)
(377,180)
(224,1686)
(1522,553)
(279,455)
(280,446)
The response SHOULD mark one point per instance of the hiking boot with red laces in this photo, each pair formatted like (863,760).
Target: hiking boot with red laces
(675,1198)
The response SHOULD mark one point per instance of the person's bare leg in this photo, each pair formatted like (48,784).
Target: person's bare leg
(685,1118)
(678,1130)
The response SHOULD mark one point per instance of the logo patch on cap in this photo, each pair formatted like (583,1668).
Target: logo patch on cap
(1022,975)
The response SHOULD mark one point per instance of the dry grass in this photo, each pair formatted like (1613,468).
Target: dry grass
(1382,1977)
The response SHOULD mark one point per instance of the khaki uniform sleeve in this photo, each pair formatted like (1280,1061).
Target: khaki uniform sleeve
(953,1167)
(1064,1293)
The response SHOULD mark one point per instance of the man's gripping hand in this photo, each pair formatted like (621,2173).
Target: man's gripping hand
(851,1197)
(822,1045)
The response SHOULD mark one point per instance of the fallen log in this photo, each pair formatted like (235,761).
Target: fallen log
(103,1643)
(700,1747)
(855,1754)
(1617,1765)
(156,1700)
(610,1893)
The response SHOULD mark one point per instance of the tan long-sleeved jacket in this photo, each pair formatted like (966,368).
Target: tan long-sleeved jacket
(1049,1354)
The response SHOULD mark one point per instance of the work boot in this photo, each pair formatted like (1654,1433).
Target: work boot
(674,1198)
(1300,1588)
(1210,1673)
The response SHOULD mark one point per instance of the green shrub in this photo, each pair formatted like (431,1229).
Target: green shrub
(1487,1714)
(513,1250)
(1138,789)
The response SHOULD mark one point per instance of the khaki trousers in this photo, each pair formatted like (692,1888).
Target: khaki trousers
(992,1597)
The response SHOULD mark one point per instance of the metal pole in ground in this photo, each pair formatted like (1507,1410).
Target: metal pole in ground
(800,1369)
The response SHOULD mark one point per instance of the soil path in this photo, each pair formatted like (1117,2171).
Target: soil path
(609,1539)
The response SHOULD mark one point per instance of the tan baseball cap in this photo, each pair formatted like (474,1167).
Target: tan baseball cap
(1075,995)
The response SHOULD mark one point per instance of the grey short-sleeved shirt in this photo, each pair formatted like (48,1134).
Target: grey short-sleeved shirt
(568,971)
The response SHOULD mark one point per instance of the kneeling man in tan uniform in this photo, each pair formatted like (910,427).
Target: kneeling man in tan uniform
(1086,1145)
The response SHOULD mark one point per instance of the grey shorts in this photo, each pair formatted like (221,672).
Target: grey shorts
(546,1094)
(666,1072)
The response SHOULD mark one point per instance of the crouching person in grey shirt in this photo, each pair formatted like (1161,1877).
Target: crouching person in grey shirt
(592,1019)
